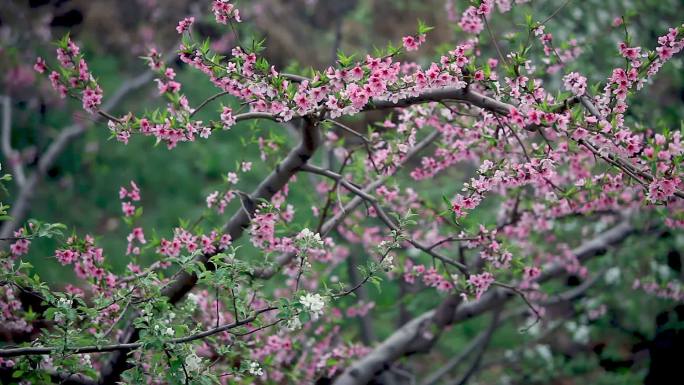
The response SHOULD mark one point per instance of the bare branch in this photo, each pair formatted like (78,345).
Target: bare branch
(445,93)
(402,342)
(481,350)
(12,156)
(381,213)
(477,343)
(284,259)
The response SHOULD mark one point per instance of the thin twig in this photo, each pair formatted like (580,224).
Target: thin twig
(15,352)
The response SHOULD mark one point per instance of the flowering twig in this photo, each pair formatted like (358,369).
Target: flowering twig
(15,352)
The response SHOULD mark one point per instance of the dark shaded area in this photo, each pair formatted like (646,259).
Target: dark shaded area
(67,19)
(667,348)
(674,260)
(610,364)
(573,281)
(38,3)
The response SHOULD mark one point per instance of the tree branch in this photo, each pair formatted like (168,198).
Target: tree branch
(401,342)
(21,204)
(15,352)
(284,259)
(12,156)
(473,345)
(445,93)
(184,282)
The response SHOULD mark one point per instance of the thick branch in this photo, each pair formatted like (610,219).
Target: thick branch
(381,213)
(235,227)
(401,342)
(472,346)
(284,259)
(481,351)
(11,155)
(442,94)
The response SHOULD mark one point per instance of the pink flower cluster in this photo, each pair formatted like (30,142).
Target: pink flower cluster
(412,43)
(183,239)
(344,91)
(480,283)
(11,314)
(263,230)
(87,260)
(173,128)
(215,199)
(339,90)
(185,24)
(92,98)
(224,11)
(21,245)
(77,76)
(133,194)
(471,21)
(166,84)
(360,309)
(279,348)
(662,189)
(668,45)
(431,277)
(136,235)
(227,118)
(575,83)
(530,273)
(672,290)
(40,65)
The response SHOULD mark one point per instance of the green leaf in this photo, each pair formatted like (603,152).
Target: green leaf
(423,28)
(344,60)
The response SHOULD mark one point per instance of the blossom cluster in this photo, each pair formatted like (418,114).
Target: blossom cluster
(137,235)
(127,197)
(224,11)
(314,304)
(72,75)
(185,240)
(480,283)
(21,245)
(430,276)
(671,290)
(88,260)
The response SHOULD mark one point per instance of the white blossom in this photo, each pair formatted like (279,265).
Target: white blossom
(63,302)
(613,275)
(387,263)
(255,369)
(293,324)
(581,334)
(193,299)
(193,363)
(307,239)
(544,352)
(314,303)
(486,165)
